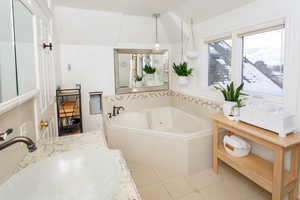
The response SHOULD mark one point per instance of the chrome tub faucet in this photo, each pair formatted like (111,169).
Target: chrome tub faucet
(116,111)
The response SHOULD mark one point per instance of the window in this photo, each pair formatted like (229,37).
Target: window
(219,61)
(262,68)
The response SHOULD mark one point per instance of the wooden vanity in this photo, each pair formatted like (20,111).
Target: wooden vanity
(269,175)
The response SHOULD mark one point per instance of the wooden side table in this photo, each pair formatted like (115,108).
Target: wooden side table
(269,175)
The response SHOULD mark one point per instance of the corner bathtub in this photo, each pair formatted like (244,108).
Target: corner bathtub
(164,138)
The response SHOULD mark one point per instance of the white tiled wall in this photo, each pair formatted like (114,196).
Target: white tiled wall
(136,102)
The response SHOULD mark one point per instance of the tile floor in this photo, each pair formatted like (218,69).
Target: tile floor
(155,184)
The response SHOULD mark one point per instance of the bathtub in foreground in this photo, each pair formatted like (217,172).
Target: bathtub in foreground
(164,138)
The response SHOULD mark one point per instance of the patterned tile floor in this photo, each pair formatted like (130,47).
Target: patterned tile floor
(154,184)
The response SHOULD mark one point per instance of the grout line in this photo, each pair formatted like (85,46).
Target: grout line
(171,197)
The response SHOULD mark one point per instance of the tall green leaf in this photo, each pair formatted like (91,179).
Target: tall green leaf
(231,93)
(182,69)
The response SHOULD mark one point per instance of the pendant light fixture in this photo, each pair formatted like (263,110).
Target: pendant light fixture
(157,45)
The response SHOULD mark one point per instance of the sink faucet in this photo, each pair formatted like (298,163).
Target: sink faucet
(30,144)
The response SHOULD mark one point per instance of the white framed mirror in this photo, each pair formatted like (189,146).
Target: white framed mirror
(141,70)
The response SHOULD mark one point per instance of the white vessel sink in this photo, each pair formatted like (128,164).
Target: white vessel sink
(89,174)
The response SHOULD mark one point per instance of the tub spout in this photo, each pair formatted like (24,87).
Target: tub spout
(119,109)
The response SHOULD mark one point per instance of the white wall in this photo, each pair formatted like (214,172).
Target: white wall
(87,39)
(91,66)
(90,27)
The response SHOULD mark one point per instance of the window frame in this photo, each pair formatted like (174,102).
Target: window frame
(237,55)
(207,42)
(263,30)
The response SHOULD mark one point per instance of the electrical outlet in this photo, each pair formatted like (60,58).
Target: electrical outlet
(69,67)
(23,129)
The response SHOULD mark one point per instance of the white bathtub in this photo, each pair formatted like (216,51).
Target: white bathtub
(165,138)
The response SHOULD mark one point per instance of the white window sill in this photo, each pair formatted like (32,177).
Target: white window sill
(265,97)
(211,93)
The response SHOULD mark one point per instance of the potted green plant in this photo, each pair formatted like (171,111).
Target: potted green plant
(148,69)
(232,98)
(138,81)
(183,72)
(150,74)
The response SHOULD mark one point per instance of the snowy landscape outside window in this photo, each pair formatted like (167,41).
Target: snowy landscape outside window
(219,55)
(262,69)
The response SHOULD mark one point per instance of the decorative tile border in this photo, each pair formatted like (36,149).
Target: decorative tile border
(137,96)
(203,102)
(206,103)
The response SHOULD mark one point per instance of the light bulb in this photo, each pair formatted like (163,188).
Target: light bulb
(157,46)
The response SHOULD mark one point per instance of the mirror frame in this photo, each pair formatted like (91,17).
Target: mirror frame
(163,87)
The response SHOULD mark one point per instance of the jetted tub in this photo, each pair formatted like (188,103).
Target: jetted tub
(165,138)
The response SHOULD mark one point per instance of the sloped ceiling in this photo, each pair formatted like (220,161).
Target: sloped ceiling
(201,10)
(133,7)
(198,9)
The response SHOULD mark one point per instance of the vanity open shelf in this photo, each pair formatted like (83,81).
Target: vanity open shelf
(269,175)
(253,167)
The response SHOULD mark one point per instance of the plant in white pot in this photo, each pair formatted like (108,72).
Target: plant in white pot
(183,72)
(150,74)
(138,81)
(232,98)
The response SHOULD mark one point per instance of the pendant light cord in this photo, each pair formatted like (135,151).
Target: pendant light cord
(156,31)
(191,37)
(157,15)
(181,59)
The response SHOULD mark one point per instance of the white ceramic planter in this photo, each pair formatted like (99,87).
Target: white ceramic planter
(139,84)
(150,76)
(236,111)
(183,80)
(228,108)
(150,79)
